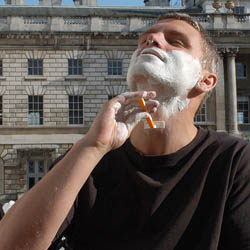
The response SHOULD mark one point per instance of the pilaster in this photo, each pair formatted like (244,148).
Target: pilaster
(231,108)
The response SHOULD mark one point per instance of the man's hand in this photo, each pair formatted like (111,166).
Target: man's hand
(117,118)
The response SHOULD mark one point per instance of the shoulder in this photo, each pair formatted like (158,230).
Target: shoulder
(226,141)
(235,151)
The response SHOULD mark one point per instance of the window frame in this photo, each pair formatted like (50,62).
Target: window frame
(75,67)
(1,67)
(200,115)
(243,69)
(76,110)
(36,174)
(35,67)
(1,110)
(238,10)
(36,108)
(113,69)
(243,100)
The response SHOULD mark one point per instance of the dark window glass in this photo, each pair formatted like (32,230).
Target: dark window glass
(243,110)
(238,10)
(35,171)
(1,67)
(75,109)
(35,67)
(31,182)
(114,67)
(35,110)
(1,110)
(201,116)
(75,66)
(241,70)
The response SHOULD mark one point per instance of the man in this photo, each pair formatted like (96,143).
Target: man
(173,187)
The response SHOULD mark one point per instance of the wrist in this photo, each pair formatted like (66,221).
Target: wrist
(88,142)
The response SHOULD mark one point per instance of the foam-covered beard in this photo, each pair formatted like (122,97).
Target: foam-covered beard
(174,73)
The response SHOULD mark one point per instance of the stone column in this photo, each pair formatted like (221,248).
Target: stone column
(232,91)
(220,95)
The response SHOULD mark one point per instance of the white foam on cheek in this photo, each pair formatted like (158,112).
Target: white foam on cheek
(178,69)
(183,70)
(130,73)
(174,76)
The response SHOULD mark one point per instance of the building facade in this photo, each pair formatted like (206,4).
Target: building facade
(59,64)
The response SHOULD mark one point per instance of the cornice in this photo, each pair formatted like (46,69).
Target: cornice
(229,33)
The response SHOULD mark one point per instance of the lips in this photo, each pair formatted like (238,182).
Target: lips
(152,51)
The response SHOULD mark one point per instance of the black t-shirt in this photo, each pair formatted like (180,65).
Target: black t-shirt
(197,198)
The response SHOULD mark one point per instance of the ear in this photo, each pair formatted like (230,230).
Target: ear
(207,82)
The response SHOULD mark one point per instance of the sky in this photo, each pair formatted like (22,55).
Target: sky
(100,2)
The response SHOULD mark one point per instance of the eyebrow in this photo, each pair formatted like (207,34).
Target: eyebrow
(170,33)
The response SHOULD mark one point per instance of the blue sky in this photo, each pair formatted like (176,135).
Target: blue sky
(100,2)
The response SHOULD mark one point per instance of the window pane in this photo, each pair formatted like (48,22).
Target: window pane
(76,110)
(114,67)
(243,110)
(31,182)
(31,167)
(35,113)
(75,66)
(1,67)
(35,66)
(1,110)
(201,115)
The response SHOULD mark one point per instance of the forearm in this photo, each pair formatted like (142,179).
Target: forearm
(34,220)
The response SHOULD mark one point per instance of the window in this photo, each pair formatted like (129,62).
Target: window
(201,116)
(1,110)
(75,109)
(36,169)
(1,67)
(175,3)
(241,71)
(242,109)
(35,116)
(114,67)
(75,66)
(238,10)
(35,67)
(1,177)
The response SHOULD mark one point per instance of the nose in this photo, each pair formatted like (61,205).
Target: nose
(155,40)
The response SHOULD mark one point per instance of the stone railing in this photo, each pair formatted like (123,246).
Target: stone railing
(106,23)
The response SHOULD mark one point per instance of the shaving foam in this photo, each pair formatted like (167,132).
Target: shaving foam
(171,74)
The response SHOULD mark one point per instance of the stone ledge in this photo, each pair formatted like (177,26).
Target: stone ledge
(2,78)
(75,77)
(39,78)
(115,78)
(40,139)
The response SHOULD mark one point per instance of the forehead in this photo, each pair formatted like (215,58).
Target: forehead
(173,25)
(176,27)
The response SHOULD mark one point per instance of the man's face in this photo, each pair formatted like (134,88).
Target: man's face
(167,59)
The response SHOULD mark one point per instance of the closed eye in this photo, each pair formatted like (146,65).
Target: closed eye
(177,43)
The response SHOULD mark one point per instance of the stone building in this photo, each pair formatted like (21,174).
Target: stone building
(59,64)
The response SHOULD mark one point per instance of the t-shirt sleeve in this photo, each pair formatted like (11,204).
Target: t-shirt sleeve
(235,233)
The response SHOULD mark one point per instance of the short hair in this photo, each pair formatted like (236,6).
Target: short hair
(210,60)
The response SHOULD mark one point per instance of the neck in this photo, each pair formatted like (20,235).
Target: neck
(179,131)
